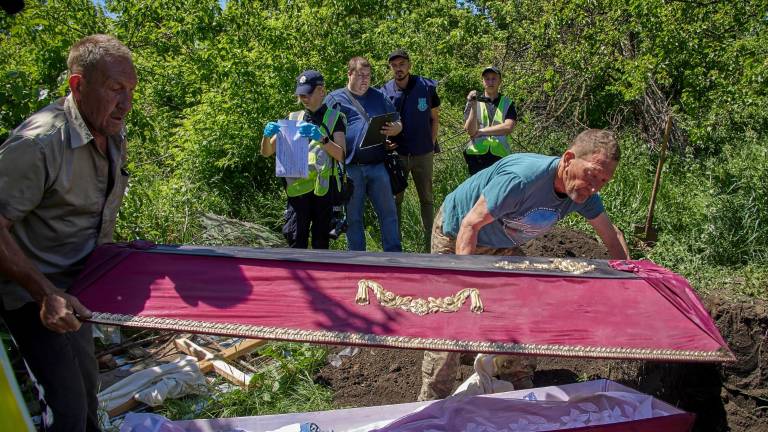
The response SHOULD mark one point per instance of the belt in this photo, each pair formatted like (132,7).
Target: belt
(364,163)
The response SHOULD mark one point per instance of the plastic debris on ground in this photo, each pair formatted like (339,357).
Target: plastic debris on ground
(335,360)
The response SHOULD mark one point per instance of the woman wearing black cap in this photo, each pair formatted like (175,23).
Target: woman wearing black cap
(310,204)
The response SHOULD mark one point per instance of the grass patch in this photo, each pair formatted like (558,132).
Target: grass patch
(286,386)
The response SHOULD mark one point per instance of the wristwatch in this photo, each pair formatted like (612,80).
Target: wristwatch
(325,140)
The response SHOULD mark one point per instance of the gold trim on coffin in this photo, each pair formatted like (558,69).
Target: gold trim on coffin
(559,264)
(418,306)
(342,338)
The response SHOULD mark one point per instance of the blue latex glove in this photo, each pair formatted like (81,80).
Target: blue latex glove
(310,131)
(271,129)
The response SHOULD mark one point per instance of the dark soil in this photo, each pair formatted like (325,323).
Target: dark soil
(724,398)
(565,243)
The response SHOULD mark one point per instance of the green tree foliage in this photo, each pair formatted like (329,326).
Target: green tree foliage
(607,62)
(33,55)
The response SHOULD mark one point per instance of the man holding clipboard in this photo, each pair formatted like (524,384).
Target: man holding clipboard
(366,148)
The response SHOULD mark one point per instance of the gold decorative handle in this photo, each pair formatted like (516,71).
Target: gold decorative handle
(419,306)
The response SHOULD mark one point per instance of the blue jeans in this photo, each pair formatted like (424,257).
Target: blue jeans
(373,181)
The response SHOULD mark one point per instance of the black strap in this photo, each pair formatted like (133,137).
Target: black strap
(406,91)
(341,165)
(359,108)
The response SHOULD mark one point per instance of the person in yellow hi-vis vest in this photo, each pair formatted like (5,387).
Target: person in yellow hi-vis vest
(13,412)
(488,119)
(310,206)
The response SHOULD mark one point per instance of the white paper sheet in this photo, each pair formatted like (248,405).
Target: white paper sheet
(292,153)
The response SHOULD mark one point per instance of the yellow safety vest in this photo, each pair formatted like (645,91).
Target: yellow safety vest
(13,412)
(498,145)
(320,162)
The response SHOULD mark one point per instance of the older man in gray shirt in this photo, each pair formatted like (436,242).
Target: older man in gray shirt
(61,183)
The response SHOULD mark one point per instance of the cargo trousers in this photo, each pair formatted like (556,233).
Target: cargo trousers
(440,368)
(420,169)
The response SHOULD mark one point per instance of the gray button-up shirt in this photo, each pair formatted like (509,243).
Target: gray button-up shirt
(53,187)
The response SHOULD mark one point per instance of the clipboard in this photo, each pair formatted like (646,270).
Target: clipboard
(373,135)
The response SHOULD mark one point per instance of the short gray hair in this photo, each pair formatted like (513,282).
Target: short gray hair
(593,141)
(90,50)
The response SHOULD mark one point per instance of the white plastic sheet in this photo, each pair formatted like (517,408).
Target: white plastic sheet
(153,385)
(602,404)
(483,381)
(142,422)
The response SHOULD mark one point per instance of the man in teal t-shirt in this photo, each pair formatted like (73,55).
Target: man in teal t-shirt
(520,196)
(511,202)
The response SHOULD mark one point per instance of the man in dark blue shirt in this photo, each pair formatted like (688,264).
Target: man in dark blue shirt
(365,165)
(416,100)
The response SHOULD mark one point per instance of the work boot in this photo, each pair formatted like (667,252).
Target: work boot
(516,369)
(523,383)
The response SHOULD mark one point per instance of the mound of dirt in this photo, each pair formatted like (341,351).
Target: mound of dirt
(374,377)
(724,398)
(565,243)
(744,391)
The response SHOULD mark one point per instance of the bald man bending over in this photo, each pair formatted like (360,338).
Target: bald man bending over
(502,207)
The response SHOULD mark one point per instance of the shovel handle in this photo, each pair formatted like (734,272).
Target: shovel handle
(657,178)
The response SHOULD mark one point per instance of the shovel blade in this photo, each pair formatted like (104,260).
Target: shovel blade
(647,236)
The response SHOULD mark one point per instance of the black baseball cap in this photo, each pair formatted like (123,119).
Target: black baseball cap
(307,81)
(491,69)
(397,53)
(12,6)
